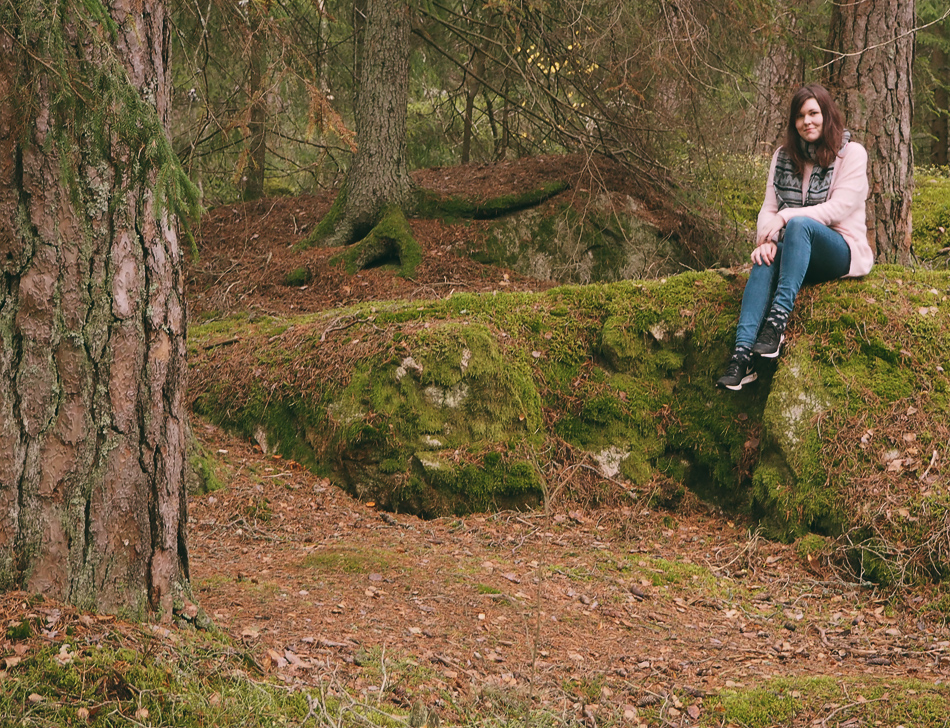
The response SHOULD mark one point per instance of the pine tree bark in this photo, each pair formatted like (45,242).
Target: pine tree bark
(871,78)
(777,74)
(92,326)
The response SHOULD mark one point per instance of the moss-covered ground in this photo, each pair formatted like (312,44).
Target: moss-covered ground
(931,210)
(476,402)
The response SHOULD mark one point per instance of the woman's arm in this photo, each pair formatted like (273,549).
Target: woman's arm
(849,190)
(769,223)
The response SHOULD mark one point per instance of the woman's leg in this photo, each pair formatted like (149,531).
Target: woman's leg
(811,252)
(755,302)
(756,299)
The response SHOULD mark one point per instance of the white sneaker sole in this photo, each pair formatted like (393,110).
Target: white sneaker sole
(745,380)
(774,354)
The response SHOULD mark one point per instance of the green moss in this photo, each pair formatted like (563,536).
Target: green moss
(206,470)
(390,238)
(941,605)
(327,225)
(20,630)
(486,589)
(777,704)
(444,412)
(96,116)
(497,482)
(298,277)
(352,560)
(579,241)
(806,700)
(258,509)
(186,688)
(811,547)
(662,572)
(931,210)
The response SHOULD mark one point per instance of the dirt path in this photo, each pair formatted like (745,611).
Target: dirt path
(615,610)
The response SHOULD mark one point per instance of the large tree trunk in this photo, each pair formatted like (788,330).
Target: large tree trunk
(378,177)
(871,77)
(777,74)
(92,322)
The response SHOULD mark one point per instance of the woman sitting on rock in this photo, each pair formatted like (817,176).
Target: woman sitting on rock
(811,227)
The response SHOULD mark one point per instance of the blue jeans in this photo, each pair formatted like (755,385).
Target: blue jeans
(809,253)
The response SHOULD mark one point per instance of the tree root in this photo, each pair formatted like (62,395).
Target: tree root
(390,240)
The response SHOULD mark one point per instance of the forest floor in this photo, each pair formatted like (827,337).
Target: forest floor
(595,614)
(617,615)
(620,611)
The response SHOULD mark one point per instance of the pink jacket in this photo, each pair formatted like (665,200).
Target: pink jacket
(844,209)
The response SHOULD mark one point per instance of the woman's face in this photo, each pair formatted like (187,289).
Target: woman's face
(809,121)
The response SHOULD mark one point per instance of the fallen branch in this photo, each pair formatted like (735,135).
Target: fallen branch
(224,342)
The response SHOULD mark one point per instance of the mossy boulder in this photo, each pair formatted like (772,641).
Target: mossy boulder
(478,402)
(608,240)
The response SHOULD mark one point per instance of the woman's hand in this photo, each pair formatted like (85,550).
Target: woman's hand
(768,231)
(764,254)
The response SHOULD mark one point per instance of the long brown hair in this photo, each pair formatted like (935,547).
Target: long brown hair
(832,127)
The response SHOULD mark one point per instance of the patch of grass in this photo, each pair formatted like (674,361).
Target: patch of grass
(487,589)
(402,674)
(352,560)
(574,573)
(107,682)
(802,701)
(662,572)
(589,689)
(931,210)
(211,583)
(258,508)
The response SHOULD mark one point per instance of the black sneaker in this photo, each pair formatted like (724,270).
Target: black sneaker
(769,342)
(738,373)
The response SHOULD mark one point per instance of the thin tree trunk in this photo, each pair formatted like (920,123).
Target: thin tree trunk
(92,325)
(873,83)
(472,87)
(940,124)
(256,142)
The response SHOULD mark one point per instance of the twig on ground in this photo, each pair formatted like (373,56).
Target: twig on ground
(834,712)
(933,459)
(332,327)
